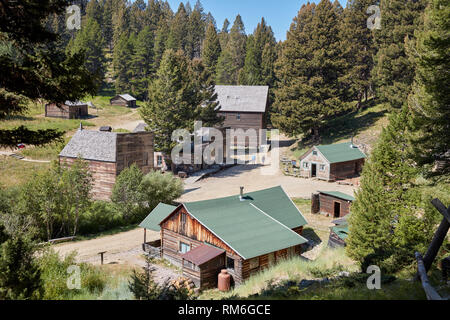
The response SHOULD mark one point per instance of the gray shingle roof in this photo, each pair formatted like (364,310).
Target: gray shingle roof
(92,145)
(127,97)
(140,128)
(242,98)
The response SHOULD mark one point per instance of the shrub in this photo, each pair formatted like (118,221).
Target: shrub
(100,216)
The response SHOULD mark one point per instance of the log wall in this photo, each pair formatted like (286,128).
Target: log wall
(66,112)
(345,170)
(327,205)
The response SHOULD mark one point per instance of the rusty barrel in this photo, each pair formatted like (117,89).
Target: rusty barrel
(224,281)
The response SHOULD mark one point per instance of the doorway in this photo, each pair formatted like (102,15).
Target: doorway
(314,170)
(337,209)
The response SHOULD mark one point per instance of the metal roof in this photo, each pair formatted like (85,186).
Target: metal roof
(92,145)
(74,103)
(339,195)
(156,216)
(335,153)
(341,231)
(242,98)
(202,254)
(127,97)
(259,225)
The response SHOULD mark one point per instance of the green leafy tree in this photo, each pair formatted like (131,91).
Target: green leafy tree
(224,74)
(161,37)
(236,47)
(20,278)
(429,102)
(196,32)
(211,50)
(36,66)
(308,92)
(142,63)
(178,30)
(157,187)
(126,193)
(122,64)
(393,71)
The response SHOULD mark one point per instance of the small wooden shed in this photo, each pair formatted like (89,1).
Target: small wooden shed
(68,110)
(124,100)
(332,162)
(331,203)
(203,264)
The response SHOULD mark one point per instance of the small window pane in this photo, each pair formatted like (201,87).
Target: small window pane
(184,247)
(230,263)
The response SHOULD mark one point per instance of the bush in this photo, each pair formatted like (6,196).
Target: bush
(54,276)
(100,216)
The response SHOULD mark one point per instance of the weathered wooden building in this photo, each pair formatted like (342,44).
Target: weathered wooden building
(108,153)
(254,231)
(68,110)
(331,203)
(243,107)
(332,162)
(124,100)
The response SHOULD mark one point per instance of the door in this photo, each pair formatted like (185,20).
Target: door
(337,209)
(314,170)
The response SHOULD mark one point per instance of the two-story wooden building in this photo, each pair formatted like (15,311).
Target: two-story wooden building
(67,110)
(244,233)
(332,162)
(108,153)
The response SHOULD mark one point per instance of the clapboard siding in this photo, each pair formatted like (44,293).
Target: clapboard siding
(65,111)
(135,148)
(347,169)
(247,120)
(104,175)
(119,101)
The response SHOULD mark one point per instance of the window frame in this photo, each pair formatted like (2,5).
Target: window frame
(186,245)
(229,260)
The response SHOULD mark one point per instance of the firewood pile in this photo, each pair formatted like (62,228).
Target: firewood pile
(183,282)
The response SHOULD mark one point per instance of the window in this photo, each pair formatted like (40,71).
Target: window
(305,165)
(145,158)
(184,247)
(314,153)
(238,117)
(159,161)
(230,263)
(322,167)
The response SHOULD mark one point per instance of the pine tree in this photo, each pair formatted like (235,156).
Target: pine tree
(142,63)
(224,34)
(211,50)
(178,30)
(137,16)
(196,32)
(308,93)
(107,27)
(236,47)
(393,72)
(89,40)
(224,74)
(176,99)
(255,71)
(358,49)
(430,99)
(120,20)
(122,64)
(161,37)
(390,219)
(94,11)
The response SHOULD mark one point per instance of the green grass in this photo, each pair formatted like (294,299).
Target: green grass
(364,125)
(15,172)
(294,269)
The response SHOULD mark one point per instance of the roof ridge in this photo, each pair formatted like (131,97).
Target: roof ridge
(283,225)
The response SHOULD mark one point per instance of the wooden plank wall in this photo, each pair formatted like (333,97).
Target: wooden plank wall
(65,112)
(104,174)
(247,121)
(135,148)
(327,205)
(344,170)
(317,159)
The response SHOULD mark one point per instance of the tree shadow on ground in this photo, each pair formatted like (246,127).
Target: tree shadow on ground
(310,234)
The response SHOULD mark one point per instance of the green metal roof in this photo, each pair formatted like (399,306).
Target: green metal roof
(341,231)
(156,216)
(259,225)
(339,195)
(342,152)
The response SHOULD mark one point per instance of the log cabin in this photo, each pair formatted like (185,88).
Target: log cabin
(67,110)
(124,100)
(244,234)
(108,154)
(331,203)
(332,162)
